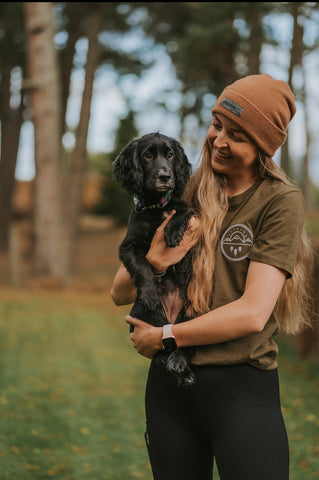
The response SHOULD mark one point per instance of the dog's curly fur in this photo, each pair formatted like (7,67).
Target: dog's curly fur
(155,169)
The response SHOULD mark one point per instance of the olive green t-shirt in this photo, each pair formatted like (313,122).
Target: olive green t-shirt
(263,224)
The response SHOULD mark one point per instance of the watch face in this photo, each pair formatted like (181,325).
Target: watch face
(169,344)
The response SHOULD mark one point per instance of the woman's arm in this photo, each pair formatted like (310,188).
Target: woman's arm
(249,314)
(123,291)
(160,256)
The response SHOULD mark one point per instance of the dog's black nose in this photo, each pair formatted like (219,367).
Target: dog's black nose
(164,174)
(164,177)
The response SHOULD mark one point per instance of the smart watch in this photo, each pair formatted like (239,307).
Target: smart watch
(168,338)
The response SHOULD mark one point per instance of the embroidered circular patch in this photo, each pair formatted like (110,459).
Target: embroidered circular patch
(236,242)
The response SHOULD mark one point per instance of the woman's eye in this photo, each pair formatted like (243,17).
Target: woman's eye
(216,125)
(237,138)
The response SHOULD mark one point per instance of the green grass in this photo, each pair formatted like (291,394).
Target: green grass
(72,392)
(72,389)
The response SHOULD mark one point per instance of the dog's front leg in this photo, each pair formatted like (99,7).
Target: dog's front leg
(142,275)
(175,229)
(146,288)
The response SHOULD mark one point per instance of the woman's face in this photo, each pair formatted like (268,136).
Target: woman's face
(232,152)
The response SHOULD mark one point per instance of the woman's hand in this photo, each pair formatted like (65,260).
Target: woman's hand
(146,339)
(160,256)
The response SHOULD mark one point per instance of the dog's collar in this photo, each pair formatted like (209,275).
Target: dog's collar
(139,207)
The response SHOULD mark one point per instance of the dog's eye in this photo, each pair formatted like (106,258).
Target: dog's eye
(169,155)
(148,156)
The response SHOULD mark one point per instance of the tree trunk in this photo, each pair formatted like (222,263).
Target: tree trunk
(67,59)
(44,95)
(255,46)
(295,59)
(11,121)
(79,154)
(305,166)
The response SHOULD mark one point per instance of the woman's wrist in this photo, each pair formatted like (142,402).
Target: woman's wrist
(157,269)
(158,273)
(158,338)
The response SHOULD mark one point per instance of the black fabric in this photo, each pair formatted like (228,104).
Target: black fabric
(232,414)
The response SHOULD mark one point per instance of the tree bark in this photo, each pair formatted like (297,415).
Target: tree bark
(255,46)
(295,59)
(79,154)
(306,182)
(44,95)
(11,122)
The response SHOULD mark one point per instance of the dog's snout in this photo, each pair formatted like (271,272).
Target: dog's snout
(164,173)
(164,176)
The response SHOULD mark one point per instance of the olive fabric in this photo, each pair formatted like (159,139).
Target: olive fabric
(263,224)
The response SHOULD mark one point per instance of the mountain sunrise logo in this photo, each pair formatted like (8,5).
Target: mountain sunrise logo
(236,242)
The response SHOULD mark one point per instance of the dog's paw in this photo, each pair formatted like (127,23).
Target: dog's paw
(161,358)
(173,238)
(176,363)
(151,302)
(186,380)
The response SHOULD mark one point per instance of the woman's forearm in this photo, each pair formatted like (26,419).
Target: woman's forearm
(226,323)
(123,291)
(244,316)
(221,325)
(247,315)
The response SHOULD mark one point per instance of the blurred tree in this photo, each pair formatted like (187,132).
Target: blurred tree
(65,192)
(296,52)
(77,167)
(210,45)
(11,107)
(213,44)
(115,201)
(43,85)
(71,23)
(302,13)
(56,228)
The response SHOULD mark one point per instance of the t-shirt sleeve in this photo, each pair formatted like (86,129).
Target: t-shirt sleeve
(277,240)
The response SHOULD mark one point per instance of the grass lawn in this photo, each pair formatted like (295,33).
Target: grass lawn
(72,392)
(72,386)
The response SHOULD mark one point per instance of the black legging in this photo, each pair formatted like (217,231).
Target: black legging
(232,414)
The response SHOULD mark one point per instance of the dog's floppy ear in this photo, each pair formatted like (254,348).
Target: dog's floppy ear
(182,168)
(127,170)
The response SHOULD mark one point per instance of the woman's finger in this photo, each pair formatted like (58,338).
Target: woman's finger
(135,321)
(131,320)
(167,219)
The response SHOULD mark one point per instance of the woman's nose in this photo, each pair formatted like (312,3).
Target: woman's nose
(220,140)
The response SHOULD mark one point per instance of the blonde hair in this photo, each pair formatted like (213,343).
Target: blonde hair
(206,194)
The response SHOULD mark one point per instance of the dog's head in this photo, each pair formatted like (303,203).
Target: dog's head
(154,164)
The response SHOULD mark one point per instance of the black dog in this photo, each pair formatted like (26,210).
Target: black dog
(155,169)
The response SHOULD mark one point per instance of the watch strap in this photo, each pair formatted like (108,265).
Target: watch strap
(167,331)
(168,339)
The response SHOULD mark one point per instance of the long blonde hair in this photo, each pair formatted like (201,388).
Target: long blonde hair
(206,194)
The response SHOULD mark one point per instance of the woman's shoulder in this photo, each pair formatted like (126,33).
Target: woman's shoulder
(274,188)
(275,195)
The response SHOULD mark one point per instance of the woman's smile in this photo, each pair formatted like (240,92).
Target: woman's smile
(219,155)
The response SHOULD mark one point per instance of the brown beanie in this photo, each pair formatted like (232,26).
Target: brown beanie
(261,106)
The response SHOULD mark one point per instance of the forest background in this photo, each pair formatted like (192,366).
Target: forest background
(79,80)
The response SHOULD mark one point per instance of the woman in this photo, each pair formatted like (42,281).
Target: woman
(251,266)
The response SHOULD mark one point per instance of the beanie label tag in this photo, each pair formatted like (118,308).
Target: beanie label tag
(232,106)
